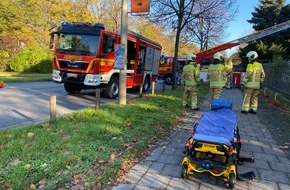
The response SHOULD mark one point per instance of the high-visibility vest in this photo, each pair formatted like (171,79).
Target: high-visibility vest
(254,75)
(216,75)
(191,74)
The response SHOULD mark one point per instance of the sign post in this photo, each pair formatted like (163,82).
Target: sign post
(123,72)
(137,6)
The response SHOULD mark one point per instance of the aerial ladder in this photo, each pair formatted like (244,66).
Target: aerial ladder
(207,54)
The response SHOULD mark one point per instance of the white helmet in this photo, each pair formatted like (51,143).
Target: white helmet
(191,57)
(218,56)
(252,55)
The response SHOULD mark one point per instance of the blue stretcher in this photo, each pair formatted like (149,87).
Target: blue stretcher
(217,126)
(214,145)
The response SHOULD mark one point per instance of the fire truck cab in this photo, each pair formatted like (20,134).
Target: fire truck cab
(84,56)
(165,69)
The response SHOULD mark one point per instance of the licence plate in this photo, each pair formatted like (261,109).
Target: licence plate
(73,57)
(74,75)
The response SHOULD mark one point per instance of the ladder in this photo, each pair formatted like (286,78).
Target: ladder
(208,53)
(265,32)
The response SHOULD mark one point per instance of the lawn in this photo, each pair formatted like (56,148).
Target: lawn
(24,77)
(88,148)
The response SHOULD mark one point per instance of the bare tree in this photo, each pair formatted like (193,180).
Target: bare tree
(204,32)
(209,29)
(107,12)
(177,14)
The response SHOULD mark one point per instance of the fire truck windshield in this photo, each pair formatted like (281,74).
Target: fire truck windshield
(75,44)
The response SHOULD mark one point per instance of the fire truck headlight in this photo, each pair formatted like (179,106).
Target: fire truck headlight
(56,75)
(92,80)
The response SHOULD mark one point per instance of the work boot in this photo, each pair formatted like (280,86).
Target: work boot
(252,111)
(244,112)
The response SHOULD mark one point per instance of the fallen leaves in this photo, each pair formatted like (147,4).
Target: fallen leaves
(115,154)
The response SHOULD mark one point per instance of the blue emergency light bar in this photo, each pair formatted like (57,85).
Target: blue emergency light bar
(97,25)
(85,28)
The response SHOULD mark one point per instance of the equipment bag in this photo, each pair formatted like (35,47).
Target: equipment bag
(220,103)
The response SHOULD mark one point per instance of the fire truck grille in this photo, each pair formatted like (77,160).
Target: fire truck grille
(80,65)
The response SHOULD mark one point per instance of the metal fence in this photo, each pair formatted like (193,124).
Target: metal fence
(278,78)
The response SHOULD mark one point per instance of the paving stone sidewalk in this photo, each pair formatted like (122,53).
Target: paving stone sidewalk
(161,170)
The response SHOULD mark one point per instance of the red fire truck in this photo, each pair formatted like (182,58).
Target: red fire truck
(165,68)
(84,56)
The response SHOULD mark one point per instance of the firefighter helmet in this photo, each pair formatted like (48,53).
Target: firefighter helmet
(218,56)
(252,55)
(191,57)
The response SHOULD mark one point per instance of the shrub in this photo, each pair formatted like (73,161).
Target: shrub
(31,60)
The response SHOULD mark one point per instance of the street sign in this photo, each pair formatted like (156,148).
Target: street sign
(140,6)
(120,56)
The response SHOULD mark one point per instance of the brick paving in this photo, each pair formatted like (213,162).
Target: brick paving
(161,170)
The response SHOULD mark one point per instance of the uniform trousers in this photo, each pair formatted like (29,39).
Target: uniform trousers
(190,92)
(250,99)
(215,93)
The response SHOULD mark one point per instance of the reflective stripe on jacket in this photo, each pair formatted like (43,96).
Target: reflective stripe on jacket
(191,74)
(254,75)
(216,75)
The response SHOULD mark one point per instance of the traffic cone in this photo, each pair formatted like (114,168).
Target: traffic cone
(1,84)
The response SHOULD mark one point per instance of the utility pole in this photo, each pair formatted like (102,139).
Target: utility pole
(137,6)
(123,72)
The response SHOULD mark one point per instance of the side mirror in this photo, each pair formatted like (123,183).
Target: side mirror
(51,43)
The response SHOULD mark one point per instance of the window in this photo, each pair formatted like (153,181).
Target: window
(108,44)
(77,44)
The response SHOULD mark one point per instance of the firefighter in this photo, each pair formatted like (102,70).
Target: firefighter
(229,75)
(252,82)
(216,76)
(191,78)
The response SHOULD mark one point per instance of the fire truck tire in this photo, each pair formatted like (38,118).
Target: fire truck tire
(168,79)
(112,89)
(70,89)
(146,84)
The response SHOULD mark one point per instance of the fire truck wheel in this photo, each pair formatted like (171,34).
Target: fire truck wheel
(112,90)
(146,84)
(167,79)
(70,89)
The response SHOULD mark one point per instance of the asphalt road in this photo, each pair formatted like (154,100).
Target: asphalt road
(26,103)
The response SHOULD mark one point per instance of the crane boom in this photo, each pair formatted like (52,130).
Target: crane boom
(208,53)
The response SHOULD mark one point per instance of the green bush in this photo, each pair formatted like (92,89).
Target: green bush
(31,60)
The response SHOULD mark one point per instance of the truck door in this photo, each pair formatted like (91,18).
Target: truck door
(140,65)
(141,60)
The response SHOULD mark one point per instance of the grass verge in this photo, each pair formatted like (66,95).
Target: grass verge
(23,77)
(88,149)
